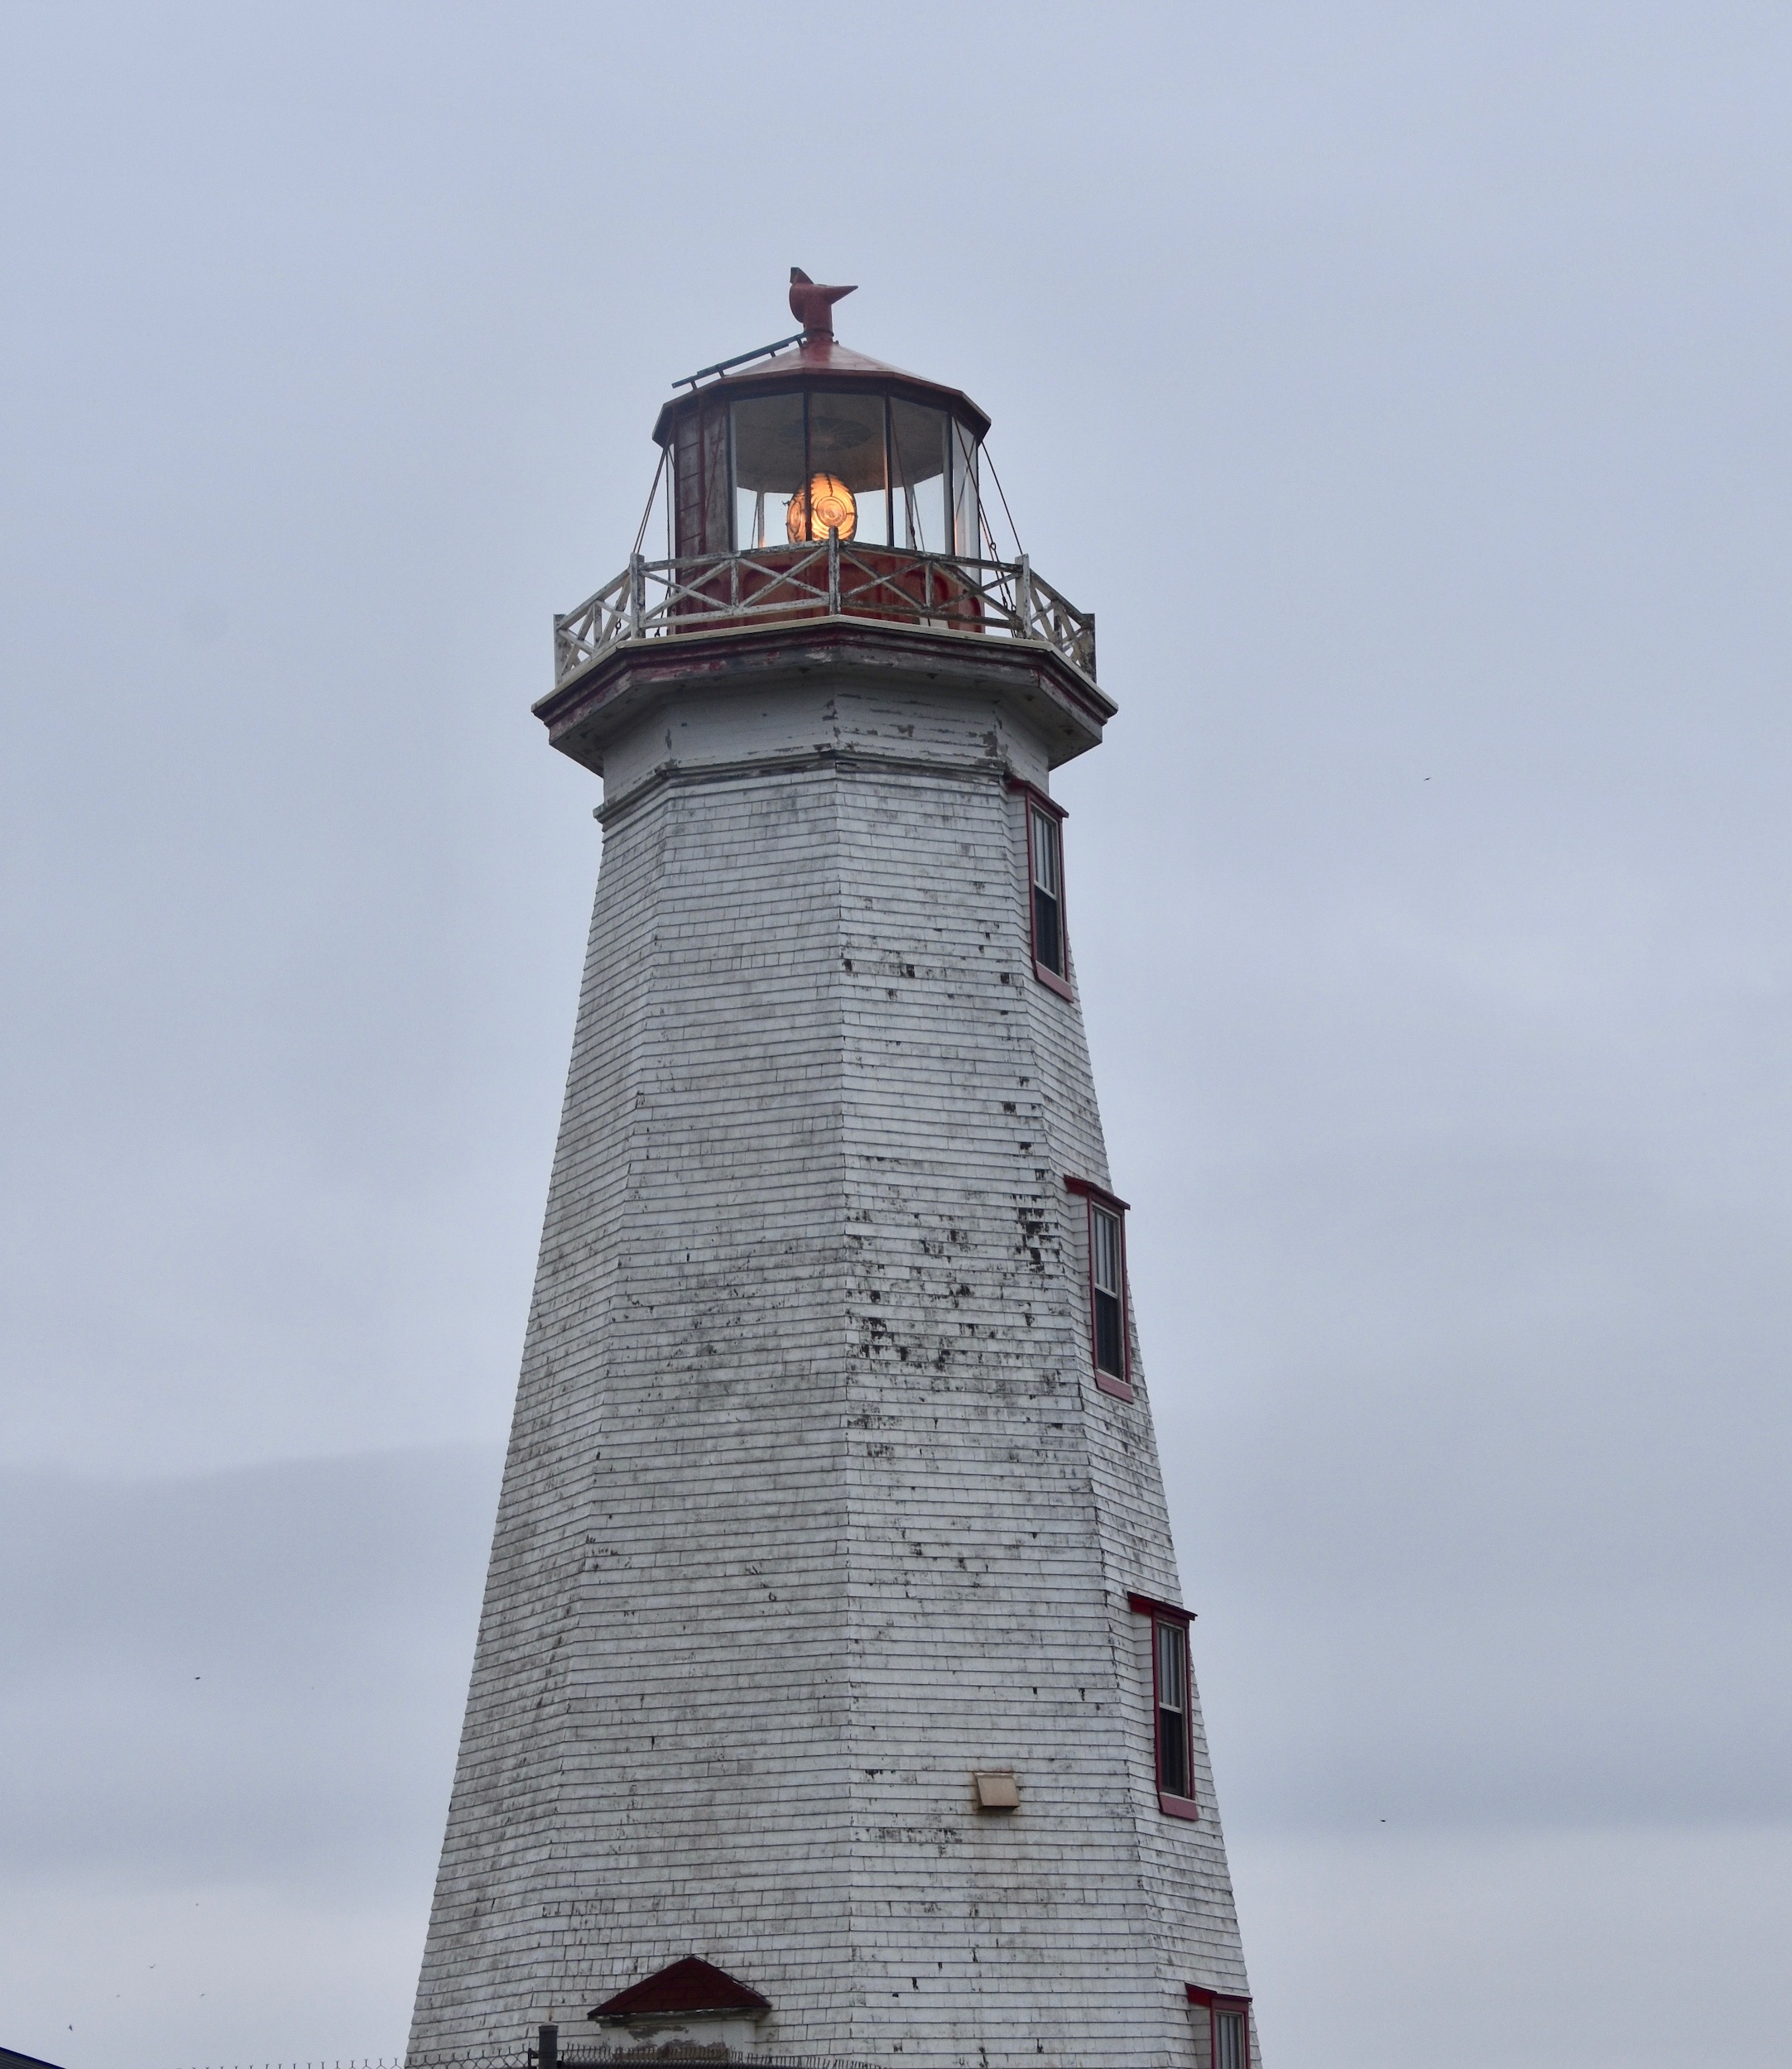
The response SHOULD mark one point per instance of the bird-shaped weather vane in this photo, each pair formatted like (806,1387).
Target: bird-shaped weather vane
(812,305)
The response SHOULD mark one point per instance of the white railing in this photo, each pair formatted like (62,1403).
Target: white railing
(654,599)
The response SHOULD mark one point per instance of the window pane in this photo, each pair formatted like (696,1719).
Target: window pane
(918,463)
(965,525)
(1228,2041)
(846,444)
(1046,870)
(1110,1355)
(1172,1667)
(1047,933)
(768,467)
(1107,1253)
(1173,1753)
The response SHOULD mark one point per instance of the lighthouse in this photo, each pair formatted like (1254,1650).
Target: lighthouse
(834,1699)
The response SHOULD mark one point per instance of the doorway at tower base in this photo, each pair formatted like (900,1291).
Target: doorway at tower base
(691,2008)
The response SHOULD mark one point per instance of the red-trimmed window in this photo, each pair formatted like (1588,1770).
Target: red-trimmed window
(1044,847)
(1228,2028)
(1107,1287)
(1045,877)
(1172,1704)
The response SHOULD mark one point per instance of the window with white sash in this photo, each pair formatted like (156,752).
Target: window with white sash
(1172,1705)
(1048,936)
(1109,1349)
(1045,847)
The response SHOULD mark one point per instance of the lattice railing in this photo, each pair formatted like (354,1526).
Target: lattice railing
(653,599)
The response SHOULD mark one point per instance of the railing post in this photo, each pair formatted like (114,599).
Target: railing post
(638,605)
(547,2046)
(833,571)
(1023,598)
(559,646)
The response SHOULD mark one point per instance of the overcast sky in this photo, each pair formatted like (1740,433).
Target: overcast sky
(1405,388)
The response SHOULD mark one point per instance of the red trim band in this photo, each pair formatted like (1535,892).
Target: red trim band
(1178,1806)
(1089,1190)
(1149,1606)
(1219,2000)
(1106,1383)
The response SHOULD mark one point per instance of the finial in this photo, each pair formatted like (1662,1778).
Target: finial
(812,305)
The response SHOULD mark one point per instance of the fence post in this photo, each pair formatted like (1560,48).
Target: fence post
(637,595)
(547,2046)
(834,569)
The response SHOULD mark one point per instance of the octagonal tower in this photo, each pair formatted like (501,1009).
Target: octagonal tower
(833,1696)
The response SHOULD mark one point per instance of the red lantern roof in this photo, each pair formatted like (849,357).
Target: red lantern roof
(819,357)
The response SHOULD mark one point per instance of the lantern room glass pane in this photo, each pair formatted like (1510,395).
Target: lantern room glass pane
(920,475)
(966,523)
(846,453)
(879,471)
(768,467)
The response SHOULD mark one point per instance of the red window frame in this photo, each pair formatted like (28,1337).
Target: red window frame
(1221,2004)
(1033,800)
(1172,1616)
(1097,1199)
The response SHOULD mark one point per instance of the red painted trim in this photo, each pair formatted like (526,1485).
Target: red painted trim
(1089,1187)
(1222,1998)
(1149,1606)
(1050,978)
(1105,1384)
(1044,802)
(1185,1806)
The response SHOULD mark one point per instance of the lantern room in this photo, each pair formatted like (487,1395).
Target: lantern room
(816,439)
(806,481)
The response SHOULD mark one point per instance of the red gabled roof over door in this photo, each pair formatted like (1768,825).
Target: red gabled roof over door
(691,1986)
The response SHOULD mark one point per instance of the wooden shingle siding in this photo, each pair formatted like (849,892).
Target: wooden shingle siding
(812,1510)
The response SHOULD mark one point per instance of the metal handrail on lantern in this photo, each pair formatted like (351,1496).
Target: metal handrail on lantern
(705,592)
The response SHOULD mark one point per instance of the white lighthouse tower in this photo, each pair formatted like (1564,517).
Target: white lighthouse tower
(833,1699)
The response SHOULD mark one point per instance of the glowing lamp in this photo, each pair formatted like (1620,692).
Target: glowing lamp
(825,506)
